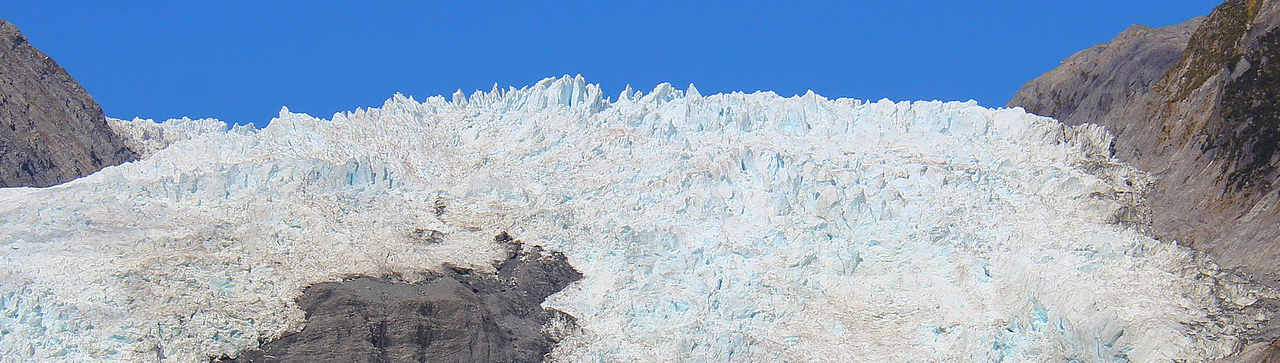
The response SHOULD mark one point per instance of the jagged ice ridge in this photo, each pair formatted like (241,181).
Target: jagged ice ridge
(730,227)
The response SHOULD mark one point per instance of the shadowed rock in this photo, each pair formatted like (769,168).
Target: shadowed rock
(458,316)
(51,131)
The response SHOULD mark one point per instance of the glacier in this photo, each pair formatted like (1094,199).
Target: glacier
(727,227)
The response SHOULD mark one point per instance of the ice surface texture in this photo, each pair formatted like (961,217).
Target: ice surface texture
(730,227)
(145,136)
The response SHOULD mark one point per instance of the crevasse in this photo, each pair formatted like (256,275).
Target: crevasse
(728,227)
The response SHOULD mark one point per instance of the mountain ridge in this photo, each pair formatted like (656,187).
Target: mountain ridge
(1207,127)
(51,130)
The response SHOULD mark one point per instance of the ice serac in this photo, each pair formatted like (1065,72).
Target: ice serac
(51,131)
(721,227)
(146,137)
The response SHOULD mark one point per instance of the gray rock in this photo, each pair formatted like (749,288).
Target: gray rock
(1201,111)
(1266,352)
(458,316)
(1208,125)
(51,131)
(1096,84)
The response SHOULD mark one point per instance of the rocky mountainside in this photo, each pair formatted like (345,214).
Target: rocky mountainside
(1196,105)
(1097,83)
(51,131)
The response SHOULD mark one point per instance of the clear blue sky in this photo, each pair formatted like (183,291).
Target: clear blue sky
(241,61)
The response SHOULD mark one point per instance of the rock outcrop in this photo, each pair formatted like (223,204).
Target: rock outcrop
(51,131)
(458,316)
(1098,84)
(1208,126)
(1197,105)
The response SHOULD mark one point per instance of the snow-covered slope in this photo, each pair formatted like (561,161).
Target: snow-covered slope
(731,227)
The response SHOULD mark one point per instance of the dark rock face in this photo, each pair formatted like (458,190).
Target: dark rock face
(51,131)
(458,316)
(1249,131)
(1208,126)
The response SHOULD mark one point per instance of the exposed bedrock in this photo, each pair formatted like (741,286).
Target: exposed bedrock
(51,131)
(1197,105)
(1097,84)
(1194,104)
(456,316)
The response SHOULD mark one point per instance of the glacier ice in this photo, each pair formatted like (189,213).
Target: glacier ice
(145,136)
(726,227)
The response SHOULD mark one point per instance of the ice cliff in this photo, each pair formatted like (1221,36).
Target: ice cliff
(728,227)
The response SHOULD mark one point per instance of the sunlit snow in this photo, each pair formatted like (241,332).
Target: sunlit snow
(729,227)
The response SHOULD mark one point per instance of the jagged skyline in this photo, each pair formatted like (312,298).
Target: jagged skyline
(1120,208)
(242,63)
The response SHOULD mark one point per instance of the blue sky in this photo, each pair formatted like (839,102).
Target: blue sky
(241,61)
